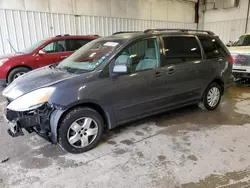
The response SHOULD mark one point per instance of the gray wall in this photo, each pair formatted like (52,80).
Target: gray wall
(229,23)
(23,22)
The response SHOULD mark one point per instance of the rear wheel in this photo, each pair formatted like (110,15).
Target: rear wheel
(16,72)
(80,130)
(212,96)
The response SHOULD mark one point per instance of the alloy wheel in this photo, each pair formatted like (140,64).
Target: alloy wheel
(18,75)
(82,132)
(213,96)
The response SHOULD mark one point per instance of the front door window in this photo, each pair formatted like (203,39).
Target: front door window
(139,56)
(56,46)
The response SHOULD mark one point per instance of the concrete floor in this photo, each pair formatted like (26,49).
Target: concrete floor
(189,148)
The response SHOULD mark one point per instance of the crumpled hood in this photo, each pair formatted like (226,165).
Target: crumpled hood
(39,78)
(239,49)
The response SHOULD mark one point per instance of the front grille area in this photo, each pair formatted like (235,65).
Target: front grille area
(39,117)
(11,115)
(29,121)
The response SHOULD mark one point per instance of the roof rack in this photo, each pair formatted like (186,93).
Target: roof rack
(62,35)
(120,32)
(179,30)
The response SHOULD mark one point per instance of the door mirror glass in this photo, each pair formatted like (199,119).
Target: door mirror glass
(120,69)
(42,52)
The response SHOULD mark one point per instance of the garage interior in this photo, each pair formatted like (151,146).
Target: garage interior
(187,148)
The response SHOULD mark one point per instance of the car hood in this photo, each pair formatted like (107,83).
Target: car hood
(10,56)
(39,78)
(239,49)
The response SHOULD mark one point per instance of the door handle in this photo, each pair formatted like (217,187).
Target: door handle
(171,70)
(158,74)
(62,57)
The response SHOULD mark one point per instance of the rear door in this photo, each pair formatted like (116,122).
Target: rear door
(183,63)
(215,60)
(71,46)
(75,44)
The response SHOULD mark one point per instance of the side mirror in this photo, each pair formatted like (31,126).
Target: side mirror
(229,44)
(120,69)
(42,52)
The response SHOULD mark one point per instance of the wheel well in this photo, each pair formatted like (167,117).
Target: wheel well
(94,106)
(220,82)
(15,68)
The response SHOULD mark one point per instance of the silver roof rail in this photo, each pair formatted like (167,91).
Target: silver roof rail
(179,30)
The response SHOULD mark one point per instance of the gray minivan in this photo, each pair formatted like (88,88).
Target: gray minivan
(117,79)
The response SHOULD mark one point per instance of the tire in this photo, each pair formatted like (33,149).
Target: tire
(74,127)
(206,102)
(14,73)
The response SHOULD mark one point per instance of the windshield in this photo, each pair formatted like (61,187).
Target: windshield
(89,56)
(244,40)
(33,47)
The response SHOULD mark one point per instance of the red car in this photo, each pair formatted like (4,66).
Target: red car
(44,52)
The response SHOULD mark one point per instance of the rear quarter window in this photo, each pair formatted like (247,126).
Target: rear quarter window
(212,47)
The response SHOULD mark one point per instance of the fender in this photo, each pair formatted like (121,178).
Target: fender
(58,113)
(220,79)
(54,120)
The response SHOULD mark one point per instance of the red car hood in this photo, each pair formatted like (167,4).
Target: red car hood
(9,56)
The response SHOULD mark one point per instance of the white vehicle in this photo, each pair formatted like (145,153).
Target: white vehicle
(240,51)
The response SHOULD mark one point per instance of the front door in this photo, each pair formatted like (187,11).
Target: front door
(142,90)
(55,51)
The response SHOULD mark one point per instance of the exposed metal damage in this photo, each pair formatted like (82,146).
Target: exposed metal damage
(37,120)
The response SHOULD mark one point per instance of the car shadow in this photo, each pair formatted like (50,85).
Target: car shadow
(242,82)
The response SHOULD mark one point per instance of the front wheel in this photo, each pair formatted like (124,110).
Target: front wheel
(212,96)
(80,130)
(16,72)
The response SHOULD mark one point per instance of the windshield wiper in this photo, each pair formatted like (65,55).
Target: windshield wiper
(61,69)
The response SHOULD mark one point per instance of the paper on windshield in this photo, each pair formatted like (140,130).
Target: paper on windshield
(113,44)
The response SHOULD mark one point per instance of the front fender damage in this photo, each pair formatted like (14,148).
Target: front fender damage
(54,121)
(43,120)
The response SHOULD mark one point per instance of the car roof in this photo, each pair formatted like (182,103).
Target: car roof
(74,37)
(132,35)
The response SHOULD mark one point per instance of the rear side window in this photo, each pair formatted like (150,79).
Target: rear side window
(212,47)
(181,49)
(75,44)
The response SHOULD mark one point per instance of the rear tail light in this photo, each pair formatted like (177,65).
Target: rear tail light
(231,59)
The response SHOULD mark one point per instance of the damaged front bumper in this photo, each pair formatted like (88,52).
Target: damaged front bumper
(43,120)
